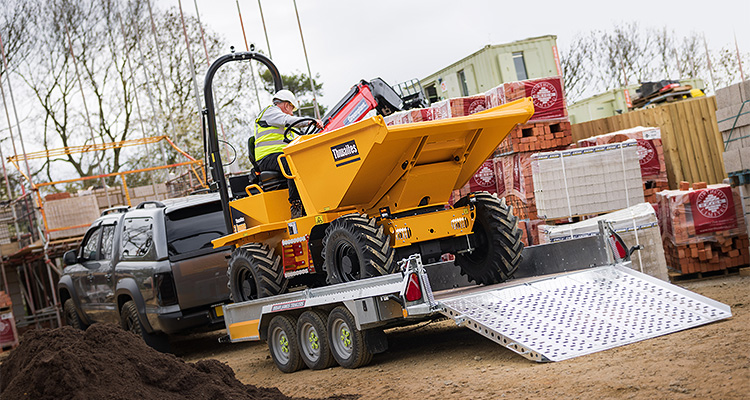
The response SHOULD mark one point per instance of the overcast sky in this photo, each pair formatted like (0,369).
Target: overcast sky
(400,40)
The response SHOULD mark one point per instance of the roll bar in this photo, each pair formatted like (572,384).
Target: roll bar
(211,140)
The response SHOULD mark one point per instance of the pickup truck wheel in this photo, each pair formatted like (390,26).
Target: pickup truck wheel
(313,340)
(254,272)
(282,342)
(498,248)
(71,315)
(130,322)
(347,342)
(129,318)
(354,248)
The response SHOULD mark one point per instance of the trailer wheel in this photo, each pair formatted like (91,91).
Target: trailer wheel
(313,340)
(347,342)
(354,248)
(497,253)
(254,272)
(283,344)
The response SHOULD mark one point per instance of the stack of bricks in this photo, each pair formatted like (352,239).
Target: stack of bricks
(703,228)
(548,128)
(650,156)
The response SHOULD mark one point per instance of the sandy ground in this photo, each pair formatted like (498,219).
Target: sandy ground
(439,360)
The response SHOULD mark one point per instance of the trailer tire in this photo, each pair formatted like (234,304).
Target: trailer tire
(71,315)
(346,341)
(498,241)
(254,272)
(314,346)
(282,342)
(355,247)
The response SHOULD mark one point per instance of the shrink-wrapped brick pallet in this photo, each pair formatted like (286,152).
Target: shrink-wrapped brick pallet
(650,156)
(587,181)
(637,225)
(703,229)
(459,107)
(548,128)
(515,183)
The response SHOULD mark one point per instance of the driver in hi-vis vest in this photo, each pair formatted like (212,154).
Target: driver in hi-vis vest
(269,139)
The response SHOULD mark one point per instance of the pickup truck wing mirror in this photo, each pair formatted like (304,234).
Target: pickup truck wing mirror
(70,258)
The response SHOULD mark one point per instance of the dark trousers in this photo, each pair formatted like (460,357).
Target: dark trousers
(271,163)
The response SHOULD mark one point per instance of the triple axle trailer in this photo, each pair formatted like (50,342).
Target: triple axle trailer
(568,299)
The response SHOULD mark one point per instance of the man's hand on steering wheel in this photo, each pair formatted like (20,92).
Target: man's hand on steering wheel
(314,126)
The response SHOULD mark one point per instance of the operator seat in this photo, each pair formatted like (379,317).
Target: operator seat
(267,180)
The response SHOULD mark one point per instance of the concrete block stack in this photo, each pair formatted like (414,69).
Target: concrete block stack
(637,225)
(69,217)
(591,180)
(703,228)
(650,156)
(157,191)
(733,118)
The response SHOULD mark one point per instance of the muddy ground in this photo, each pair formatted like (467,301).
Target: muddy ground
(441,360)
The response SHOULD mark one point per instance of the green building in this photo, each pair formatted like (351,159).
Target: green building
(495,64)
(612,102)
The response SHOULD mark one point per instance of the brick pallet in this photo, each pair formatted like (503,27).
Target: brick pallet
(650,156)
(703,228)
(537,136)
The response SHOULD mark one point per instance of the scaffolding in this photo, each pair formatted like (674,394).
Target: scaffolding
(37,229)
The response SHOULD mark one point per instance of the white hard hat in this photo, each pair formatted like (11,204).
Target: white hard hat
(286,95)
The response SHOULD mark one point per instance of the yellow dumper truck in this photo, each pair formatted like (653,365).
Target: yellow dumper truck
(373,194)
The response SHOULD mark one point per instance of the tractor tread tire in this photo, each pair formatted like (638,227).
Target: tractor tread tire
(264,267)
(499,256)
(373,247)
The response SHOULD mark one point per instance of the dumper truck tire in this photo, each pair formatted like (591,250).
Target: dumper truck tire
(497,239)
(254,272)
(354,248)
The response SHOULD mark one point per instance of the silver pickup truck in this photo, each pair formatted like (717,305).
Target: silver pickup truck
(152,269)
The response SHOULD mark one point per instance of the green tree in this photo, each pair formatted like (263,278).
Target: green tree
(299,84)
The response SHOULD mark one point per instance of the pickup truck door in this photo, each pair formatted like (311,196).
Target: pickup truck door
(101,290)
(81,274)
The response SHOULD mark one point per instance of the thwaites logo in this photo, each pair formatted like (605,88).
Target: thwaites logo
(712,203)
(344,150)
(544,95)
(360,109)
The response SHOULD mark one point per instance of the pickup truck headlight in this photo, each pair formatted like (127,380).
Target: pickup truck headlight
(166,292)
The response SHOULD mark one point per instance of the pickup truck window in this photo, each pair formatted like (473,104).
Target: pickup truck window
(137,239)
(192,229)
(108,238)
(91,244)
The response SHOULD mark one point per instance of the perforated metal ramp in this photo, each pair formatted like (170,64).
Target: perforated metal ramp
(577,313)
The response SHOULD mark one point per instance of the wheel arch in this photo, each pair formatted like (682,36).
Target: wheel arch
(127,289)
(66,290)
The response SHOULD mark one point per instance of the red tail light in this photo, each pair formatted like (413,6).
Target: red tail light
(413,289)
(621,252)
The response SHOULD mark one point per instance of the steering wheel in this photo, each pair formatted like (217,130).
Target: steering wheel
(309,130)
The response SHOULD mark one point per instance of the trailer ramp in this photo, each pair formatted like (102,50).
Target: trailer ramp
(577,313)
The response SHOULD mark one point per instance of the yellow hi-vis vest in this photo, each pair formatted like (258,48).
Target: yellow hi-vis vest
(268,139)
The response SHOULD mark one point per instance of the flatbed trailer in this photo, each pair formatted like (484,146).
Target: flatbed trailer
(568,299)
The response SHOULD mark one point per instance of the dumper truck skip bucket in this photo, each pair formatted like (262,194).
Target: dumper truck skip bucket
(368,165)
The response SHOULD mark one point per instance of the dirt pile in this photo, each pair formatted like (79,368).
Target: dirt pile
(107,362)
